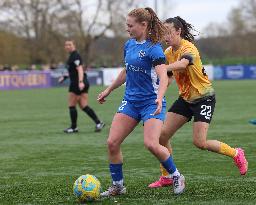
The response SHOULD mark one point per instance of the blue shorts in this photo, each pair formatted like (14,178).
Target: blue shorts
(141,111)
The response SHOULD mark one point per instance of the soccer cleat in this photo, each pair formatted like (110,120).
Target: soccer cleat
(178,184)
(99,126)
(114,190)
(71,130)
(241,161)
(162,182)
(253,121)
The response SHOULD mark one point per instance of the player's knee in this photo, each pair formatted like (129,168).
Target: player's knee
(200,144)
(164,138)
(83,106)
(112,145)
(151,146)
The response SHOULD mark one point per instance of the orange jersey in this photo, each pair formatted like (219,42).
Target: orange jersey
(193,83)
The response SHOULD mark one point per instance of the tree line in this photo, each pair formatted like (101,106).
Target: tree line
(34,31)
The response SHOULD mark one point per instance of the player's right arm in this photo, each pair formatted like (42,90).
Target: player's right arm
(63,78)
(120,80)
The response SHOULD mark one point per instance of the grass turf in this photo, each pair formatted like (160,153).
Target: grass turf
(39,163)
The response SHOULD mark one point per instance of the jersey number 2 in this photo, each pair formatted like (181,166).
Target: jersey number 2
(124,102)
(206,111)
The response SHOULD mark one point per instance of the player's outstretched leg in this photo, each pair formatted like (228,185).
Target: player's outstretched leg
(237,154)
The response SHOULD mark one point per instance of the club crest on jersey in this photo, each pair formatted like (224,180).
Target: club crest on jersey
(142,53)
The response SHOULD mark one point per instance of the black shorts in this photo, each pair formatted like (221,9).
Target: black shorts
(202,110)
(73,88)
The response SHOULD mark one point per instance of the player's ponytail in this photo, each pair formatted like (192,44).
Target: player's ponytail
(186,28)
(156,29)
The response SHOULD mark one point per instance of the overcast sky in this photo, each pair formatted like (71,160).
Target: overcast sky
(197,12)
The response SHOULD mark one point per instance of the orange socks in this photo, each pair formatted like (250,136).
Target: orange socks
(227,150)
(163,171)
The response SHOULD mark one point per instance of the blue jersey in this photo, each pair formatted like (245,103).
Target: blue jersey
(141,79)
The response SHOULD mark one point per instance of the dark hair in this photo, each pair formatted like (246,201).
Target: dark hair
(156,29)
(185,27)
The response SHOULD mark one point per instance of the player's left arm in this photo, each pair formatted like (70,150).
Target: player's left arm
(63,78)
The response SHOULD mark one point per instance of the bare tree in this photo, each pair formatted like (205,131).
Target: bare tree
(249,13)
(33,20)
(241,20)
(45,23)
(236,22)
(214,30)
(87,22)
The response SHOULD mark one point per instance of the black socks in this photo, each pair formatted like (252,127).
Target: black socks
(73,116)
(89,111)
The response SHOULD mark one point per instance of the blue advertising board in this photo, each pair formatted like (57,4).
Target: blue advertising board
(235,72)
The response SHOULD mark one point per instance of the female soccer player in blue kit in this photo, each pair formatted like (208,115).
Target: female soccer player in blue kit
(146,82)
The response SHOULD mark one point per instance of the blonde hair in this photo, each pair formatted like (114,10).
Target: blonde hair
(156,29)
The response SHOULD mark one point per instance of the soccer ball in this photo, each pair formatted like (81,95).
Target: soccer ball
(87,188)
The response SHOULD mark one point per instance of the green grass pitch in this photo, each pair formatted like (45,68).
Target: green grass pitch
(39,163)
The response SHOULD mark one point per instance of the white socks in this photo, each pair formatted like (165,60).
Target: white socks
(119,183)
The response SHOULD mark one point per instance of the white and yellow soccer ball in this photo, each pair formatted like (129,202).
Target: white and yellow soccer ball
(87,188)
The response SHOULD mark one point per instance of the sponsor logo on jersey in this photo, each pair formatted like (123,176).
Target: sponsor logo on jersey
(135,68)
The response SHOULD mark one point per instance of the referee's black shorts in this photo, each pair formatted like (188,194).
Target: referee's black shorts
(73,88)
(202,110)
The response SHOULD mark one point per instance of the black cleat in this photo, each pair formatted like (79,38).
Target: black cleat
(99,126)
(71,130)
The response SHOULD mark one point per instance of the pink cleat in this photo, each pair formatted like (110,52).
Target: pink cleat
(241,161)
(163,181)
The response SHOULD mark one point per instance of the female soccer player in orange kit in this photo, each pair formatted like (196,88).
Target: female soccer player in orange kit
(196,97)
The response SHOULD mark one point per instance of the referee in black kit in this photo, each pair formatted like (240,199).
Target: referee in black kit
(78,89)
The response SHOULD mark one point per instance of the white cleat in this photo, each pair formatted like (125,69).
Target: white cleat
(114,190)
(99,126)
(178,184)
(71,130)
